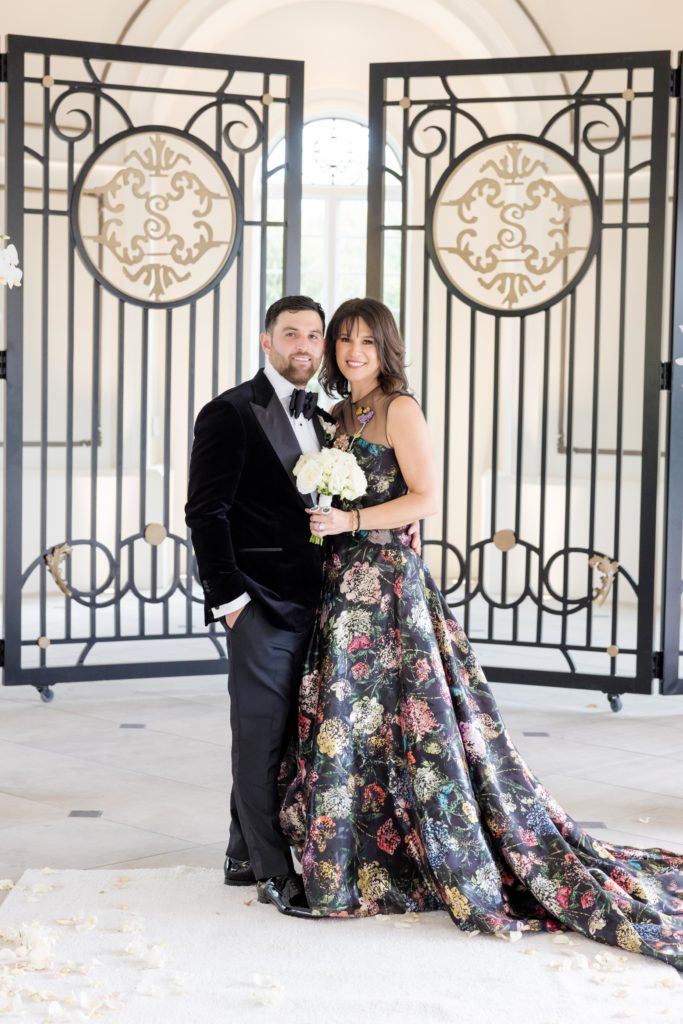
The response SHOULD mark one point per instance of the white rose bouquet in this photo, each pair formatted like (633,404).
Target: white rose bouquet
(10,272)
(332,473)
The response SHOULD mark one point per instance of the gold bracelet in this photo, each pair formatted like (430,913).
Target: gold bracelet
(357,520)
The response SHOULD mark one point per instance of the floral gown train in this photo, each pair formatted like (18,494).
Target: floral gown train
(405,792)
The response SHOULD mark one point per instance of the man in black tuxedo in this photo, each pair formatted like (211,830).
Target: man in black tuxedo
(261,576)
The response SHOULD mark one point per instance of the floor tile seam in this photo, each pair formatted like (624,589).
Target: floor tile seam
(663,844)
(148,729)
(148,831)
(151,856)
(111,767)
(615,785)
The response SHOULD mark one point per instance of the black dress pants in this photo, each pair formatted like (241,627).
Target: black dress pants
(263,683)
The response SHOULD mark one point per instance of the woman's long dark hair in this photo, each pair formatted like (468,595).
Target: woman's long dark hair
(390,347)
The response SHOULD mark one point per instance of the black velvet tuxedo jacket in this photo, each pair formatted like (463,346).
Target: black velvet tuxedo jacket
(249,528)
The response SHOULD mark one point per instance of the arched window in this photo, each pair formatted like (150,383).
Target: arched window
(334,214)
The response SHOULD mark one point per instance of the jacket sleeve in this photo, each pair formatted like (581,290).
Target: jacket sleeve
(216,465)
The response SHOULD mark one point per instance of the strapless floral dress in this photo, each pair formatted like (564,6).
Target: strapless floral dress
(404,792)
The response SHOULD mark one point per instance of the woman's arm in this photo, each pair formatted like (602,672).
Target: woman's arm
(409,436)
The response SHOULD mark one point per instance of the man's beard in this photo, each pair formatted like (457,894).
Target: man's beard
(297,375)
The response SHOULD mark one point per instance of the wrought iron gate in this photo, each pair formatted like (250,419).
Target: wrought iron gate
(138,194)
(531,227)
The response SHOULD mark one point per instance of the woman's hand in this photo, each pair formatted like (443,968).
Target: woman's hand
(325,524)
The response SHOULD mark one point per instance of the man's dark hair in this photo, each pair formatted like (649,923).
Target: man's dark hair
(292,304)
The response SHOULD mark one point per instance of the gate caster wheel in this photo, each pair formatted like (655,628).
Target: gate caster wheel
(615,701)
(47,694)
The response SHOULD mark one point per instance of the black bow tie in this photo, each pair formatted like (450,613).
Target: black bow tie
(302,402)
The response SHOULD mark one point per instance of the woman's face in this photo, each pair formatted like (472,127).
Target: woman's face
(357,356)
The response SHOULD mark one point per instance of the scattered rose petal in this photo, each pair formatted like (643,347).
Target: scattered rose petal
(509,936)
(145,988)
(121,882)
(6,884)
(248,903)
(149,953)
(529,952)
(265,981)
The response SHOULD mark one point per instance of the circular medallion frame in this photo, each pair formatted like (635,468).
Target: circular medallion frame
(230,246)
(437,197)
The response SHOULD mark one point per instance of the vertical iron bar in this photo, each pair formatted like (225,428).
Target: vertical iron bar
(494,450)
(142,473)
(14,459)
(70,367)
(623,272)
(569,464)
(375,241)
(167,445)
(651,388)
(95,411)
(293,189)
(239,286)
(595,405)
(471,419)
(44,351)
(404,221)
(446,438)
(520,453)
(263,228)
(189,573)
(425,293)
(673,500)
(118,526)
(543,472)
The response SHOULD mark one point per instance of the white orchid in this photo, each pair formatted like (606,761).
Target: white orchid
(10,272)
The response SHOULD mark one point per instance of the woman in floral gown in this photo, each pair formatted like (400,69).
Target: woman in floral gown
(404,791)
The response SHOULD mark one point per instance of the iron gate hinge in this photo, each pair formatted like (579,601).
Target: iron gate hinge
(675,82)
(2,653)
(3,364)
(657,664)
(665,377)
(3,67)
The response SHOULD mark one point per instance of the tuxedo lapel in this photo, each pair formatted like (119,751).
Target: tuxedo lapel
(272,418)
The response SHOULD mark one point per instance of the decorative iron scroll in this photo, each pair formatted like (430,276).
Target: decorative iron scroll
(166,218)
(513,224)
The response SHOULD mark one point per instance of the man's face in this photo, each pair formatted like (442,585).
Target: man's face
(294,345)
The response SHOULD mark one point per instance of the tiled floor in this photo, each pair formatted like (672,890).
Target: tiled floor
(161,791)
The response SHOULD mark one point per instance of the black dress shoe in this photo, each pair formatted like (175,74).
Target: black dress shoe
(238,872)
(286,893)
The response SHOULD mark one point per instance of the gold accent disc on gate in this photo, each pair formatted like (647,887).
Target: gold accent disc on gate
(404,102)
(612,650)
(43,642)
(504,540)
(155,534)
(267,99)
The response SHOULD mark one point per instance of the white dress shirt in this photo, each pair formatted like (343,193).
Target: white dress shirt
(307,439)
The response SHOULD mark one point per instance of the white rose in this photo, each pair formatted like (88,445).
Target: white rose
(308,473)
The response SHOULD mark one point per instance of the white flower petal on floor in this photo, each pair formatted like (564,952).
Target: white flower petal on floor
(221,963)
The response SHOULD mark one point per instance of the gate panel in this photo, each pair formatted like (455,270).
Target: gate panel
(530,236)
(138,195)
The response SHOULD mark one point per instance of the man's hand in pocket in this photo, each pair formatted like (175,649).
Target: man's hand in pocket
(231,618)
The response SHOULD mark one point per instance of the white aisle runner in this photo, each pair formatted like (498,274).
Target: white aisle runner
(175,945)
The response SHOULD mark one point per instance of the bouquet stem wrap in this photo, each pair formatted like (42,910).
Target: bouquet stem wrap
(324,503)
(332,473)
